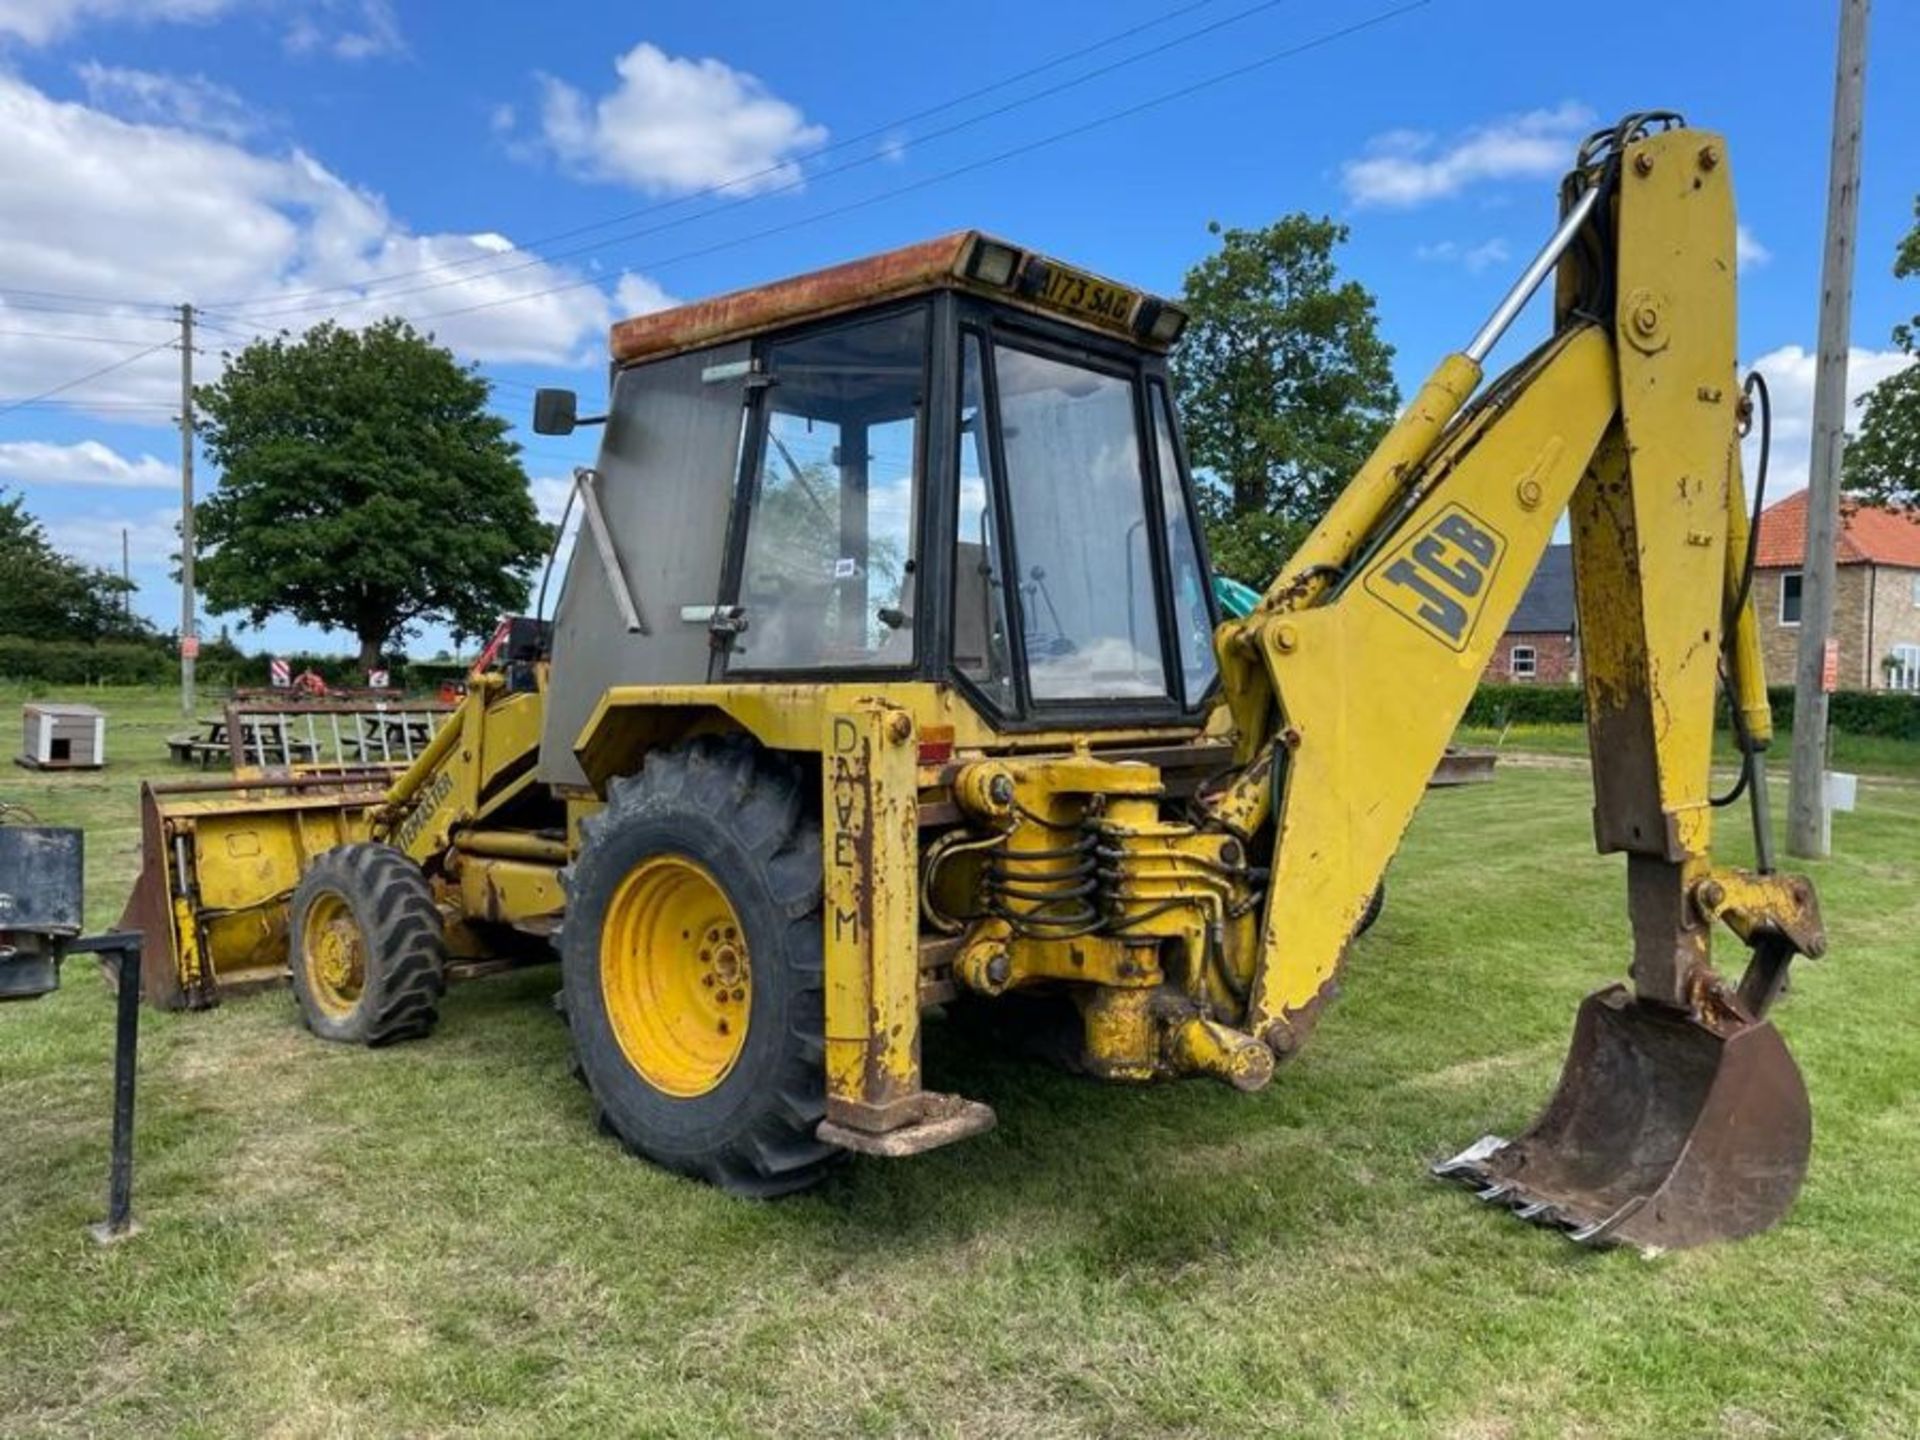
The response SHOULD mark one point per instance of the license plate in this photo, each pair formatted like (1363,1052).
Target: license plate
(1079,293)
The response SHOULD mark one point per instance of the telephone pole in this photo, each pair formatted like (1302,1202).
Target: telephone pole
(189,635)
(126,573)
(1807,815)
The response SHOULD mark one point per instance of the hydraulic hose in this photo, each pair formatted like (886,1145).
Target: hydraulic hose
(1760,402)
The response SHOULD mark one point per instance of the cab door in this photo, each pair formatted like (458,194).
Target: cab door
(824,573)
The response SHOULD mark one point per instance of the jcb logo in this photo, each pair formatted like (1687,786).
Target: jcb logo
(1439,579)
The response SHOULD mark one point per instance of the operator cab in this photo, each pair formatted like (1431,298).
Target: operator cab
(955,463)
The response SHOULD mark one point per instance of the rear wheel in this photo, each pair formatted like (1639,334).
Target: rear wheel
(368,947)
(691,965)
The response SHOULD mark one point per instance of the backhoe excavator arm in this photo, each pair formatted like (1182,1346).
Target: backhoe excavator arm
(1349,678)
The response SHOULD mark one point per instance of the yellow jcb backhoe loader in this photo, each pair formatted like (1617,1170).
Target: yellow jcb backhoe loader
(886,674)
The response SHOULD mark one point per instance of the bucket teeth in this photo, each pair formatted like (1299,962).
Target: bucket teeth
(1468,1162)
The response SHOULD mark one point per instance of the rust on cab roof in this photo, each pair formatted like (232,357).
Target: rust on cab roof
(1034,283)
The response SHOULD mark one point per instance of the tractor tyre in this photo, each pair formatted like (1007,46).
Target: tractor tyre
(691,966)
(1376,902)
(368,947)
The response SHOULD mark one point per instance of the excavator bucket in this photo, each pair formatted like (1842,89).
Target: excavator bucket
(1666,1131)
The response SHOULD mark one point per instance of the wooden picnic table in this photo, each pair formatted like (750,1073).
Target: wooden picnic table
(264,739)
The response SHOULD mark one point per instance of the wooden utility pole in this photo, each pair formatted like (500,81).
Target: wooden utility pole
(1807,814)
(189,635)
(126,573)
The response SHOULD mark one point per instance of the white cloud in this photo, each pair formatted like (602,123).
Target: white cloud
(1790,375)
(1405,168)
(191,102)
(86,463)
(674,125)
(38,22)
(152,537)
(638,295)
(1474,258)
(93,204)
(550,495)
(1748,252)
(346,30)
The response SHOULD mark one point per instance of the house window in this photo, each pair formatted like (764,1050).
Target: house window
(1522,663)
(1790,598)
(1903,671)
(1916,592)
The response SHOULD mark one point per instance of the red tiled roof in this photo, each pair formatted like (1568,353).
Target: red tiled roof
(1869,534)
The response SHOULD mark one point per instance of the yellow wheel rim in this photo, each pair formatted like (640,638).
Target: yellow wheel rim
(675,975)
(334,954)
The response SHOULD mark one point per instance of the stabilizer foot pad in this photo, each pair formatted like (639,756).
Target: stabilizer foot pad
(943,1119)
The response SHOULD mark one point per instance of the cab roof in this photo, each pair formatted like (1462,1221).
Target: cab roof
(964,260)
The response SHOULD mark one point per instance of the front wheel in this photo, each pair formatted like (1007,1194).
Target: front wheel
(369,956)
(691,964)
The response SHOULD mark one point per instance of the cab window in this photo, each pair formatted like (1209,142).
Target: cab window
(1082,541)
(981,650)
(827,571)
(1192,606)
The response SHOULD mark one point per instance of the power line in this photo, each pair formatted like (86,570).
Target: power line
(29,403)
(798,182)
(734,182)
(11,303)
(111,304)
(1179,93)
(1072,132)
(83,379)
(63,335)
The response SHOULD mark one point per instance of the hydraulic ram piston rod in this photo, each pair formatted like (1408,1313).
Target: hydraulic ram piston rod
(1529,281)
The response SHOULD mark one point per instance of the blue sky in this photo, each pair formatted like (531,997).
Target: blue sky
(513,177)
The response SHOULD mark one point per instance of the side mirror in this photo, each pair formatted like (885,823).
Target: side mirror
(555,412)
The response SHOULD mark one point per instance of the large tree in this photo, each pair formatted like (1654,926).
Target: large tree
(1883,459)
(364,487)
(1284,383)
(50,596)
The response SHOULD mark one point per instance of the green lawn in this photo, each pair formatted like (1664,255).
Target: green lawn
(434,1240)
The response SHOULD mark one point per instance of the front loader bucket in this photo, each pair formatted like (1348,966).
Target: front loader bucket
(1665,1132)
(219,861)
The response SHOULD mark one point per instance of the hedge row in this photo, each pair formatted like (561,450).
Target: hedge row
(61,662)
(129,662)
(1889,714)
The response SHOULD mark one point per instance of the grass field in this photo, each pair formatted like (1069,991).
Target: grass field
(434,1240)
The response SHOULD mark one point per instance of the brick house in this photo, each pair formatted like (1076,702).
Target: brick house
(1876,601)
(1539,645)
